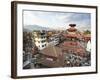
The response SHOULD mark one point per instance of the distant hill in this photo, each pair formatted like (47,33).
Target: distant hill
(26,30)
(30,28)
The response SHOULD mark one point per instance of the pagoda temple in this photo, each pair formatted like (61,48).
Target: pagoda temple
(72,44)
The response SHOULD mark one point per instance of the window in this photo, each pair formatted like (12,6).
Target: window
(42,45)
(41,41)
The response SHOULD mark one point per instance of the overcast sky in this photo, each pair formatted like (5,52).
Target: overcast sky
(57,20)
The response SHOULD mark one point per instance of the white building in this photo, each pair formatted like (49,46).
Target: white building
(40,39)
(54,40)
(88,47)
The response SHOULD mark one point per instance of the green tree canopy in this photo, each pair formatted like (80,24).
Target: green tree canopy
(87,32)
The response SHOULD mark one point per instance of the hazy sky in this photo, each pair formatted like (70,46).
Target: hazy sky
(57,20)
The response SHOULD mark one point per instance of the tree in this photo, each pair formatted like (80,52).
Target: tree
(87,32)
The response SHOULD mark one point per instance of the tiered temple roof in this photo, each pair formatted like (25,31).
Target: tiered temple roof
(72,28)
(73,46)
